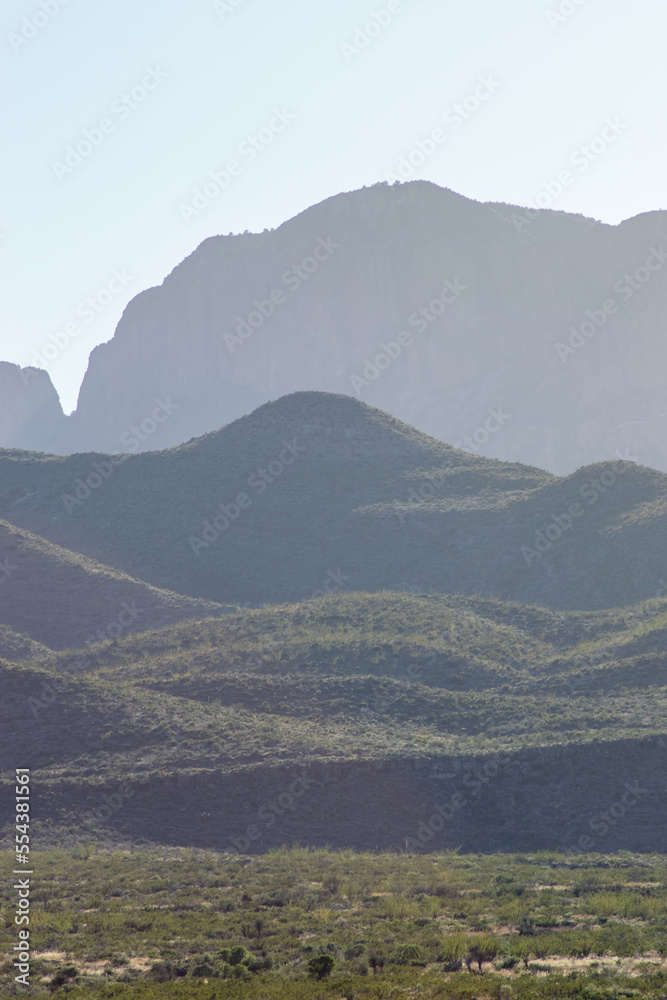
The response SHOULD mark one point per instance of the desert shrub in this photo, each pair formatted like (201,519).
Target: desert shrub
(408,954)
(202,969)
(321,966)
(483,950)
(164,972)
(64,975)
(453,948)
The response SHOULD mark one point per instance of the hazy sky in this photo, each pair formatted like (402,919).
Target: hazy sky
(116,112)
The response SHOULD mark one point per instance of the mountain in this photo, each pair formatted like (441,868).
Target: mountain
(61,599)
(357,720)
(526,336)
(30,413)
(319,492)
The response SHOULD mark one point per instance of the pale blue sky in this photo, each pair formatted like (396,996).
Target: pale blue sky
(219,75)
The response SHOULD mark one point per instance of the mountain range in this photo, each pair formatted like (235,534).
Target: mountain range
(522,335)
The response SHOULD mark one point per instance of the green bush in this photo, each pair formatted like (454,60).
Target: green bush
(408,954)
(321,966)
(64,975)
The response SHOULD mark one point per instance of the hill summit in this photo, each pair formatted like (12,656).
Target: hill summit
(316,490)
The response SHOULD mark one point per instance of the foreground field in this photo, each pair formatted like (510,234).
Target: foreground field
(183,924)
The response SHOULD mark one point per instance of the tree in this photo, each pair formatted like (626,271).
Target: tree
(321,966)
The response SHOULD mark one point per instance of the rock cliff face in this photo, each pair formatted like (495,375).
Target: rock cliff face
(527,339)
(30,413)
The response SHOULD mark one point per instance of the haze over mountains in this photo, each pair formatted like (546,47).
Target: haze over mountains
(318,492)
(530,337)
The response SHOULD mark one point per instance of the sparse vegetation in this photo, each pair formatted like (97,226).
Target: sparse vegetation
(155,924)
(451,696)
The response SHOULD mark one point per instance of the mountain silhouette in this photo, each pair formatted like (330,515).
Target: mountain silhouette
(527,336)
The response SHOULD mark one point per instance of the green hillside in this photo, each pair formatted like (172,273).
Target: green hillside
(382,705)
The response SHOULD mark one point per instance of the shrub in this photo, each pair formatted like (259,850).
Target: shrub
(355,950)
(453,950)
(321,966)
(452,965)
(238,955)
(376,963)
(408,954)
(164,972)
(64,975)
(484,950)
(202,969)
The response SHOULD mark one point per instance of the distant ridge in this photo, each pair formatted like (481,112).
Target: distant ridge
(318,491)
(435,308)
